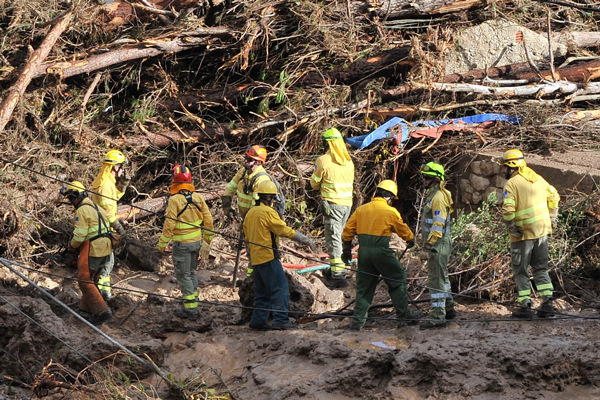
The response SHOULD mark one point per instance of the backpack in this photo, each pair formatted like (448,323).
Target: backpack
(279,200)
(188,197)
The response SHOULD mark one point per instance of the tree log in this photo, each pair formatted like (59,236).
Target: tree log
(37,57)
(145,49)
(158,205)
(392,9)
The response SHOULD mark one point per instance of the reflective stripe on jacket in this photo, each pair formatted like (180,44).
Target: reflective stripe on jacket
(185,228)
(85,227)
(436,215)
(109,197)
(335,181)
(239,182)
(529,204)
(262,226)
(373,223)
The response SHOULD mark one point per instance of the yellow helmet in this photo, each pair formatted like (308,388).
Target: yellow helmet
(513,158)
(266,187)
(390,186)
(332,134)
(115,157)
(74,189)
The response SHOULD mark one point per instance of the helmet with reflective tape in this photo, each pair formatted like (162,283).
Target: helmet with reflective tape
(332,134)
(434,169)
(181,174)
(257,152)
(390,186)
(513,158)
(75,189)
(115,157)
(266,187)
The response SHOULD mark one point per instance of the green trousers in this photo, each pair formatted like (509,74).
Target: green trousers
(532,252)
(438,282)
(334,226)
(373,262)
(185,261)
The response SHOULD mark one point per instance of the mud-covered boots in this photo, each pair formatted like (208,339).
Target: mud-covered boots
(547,309)
(524,311)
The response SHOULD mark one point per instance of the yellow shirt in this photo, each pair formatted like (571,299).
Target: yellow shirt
(109,196)
(186,228)
(262,225)
(335,180)
(237,185)
(85,227)
(373,223)
(436,222)
(529,204)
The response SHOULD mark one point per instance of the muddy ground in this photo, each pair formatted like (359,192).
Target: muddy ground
(483,354)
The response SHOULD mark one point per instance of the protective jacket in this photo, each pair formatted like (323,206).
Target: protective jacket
(240,184)
(334,180)
(106,194)
(436,214)
(373,223)
(262,226)
(90,223)
(183,219)
(529,204)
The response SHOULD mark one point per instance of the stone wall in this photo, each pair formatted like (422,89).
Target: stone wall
(480,178)
(567,172)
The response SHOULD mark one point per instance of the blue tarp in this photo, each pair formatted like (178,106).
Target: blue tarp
(383,131)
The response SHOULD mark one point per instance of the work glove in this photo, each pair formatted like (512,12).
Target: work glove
(123,181)
(425,253)
(347,252)
(227,209)
(205,250)
(325,208)
(302,239)
(554,217)
(513,229)
(118,227)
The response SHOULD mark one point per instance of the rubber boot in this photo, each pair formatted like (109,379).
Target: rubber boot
(547,309)
(524,311)
(411,318)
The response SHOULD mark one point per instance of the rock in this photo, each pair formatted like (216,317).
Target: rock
(492,44)
(479,183)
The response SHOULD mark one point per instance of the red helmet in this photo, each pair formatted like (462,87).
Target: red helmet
(257,152)
(181,174)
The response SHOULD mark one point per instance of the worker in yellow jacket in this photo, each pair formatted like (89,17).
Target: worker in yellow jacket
(108,187)
(373,223)
(185,216)
(334,176)
(244,184)
(437,244)
(529,207)
(91,239)
(262,227)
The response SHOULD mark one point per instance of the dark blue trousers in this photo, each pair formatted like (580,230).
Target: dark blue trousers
(271,292)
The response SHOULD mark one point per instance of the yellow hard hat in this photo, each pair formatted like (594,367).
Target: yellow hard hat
(390,186)
(73,189)
(332,134)
(513,158)
(266,187)
(115,157)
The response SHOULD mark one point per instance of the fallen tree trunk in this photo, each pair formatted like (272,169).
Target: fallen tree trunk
(158,205)
(392,9)
(37,57)
(147,48)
